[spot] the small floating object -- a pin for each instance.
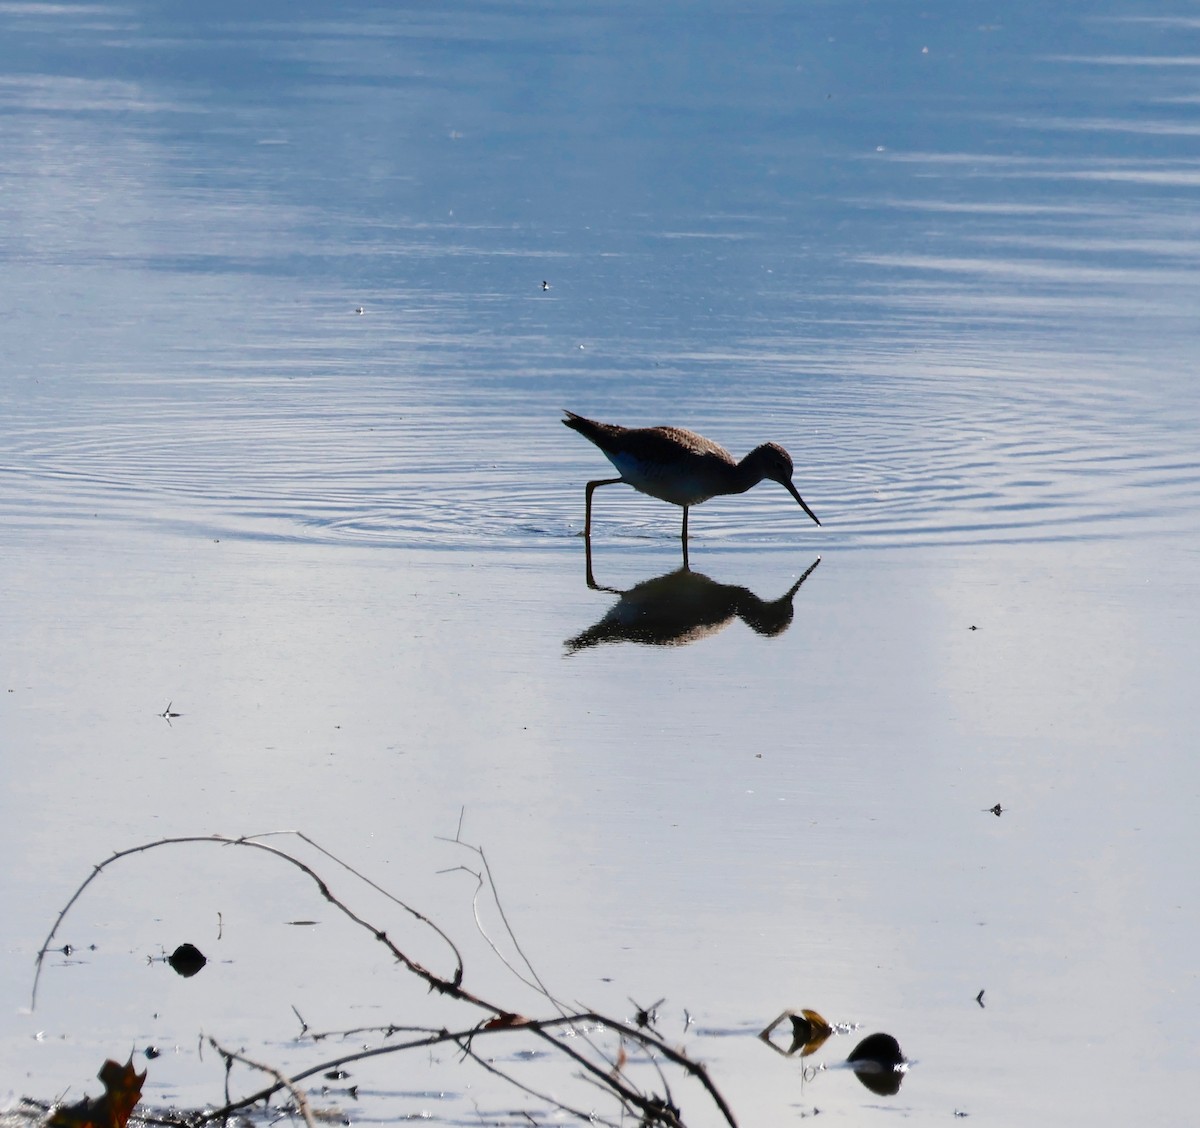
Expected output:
(359, 309)
(187, 960)
(878, 1063)
(809, 1031)
(646, 1017)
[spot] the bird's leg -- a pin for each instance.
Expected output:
(591, 486)
(591, 579)
(587, 556)
(683, 536)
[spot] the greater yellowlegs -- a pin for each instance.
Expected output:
(680, 466)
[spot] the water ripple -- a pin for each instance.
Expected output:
(939, 461)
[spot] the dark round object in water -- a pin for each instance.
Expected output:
(187, 959)
(882, 1049)
(878, 1063)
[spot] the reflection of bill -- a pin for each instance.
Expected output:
(682, 606)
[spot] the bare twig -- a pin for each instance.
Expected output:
(647, 1041)
(597, 1066)
(533, 980)
(416, 913)
(496, 1071)
(450, 986)
(231, 1105)
(301, 1101)
(491, 884)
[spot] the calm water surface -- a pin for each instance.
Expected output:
(946, 257)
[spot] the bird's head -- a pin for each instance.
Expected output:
(775, 463)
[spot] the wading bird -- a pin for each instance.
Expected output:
(680, 466)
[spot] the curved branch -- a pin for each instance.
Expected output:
(598, 1069)
(450, 986)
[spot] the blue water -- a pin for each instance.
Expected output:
(944, 254)
(946, 262)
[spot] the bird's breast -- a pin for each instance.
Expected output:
(681, 481)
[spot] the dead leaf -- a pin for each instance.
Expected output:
(809, 1031)
(502, 1021)
(122, 1091)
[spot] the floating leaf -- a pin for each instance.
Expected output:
(809, 1031)
(122, 1091)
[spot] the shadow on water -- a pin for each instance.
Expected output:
(682, 606)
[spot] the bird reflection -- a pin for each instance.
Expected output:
(682, 606)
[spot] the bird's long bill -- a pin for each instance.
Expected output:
(796, 494)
